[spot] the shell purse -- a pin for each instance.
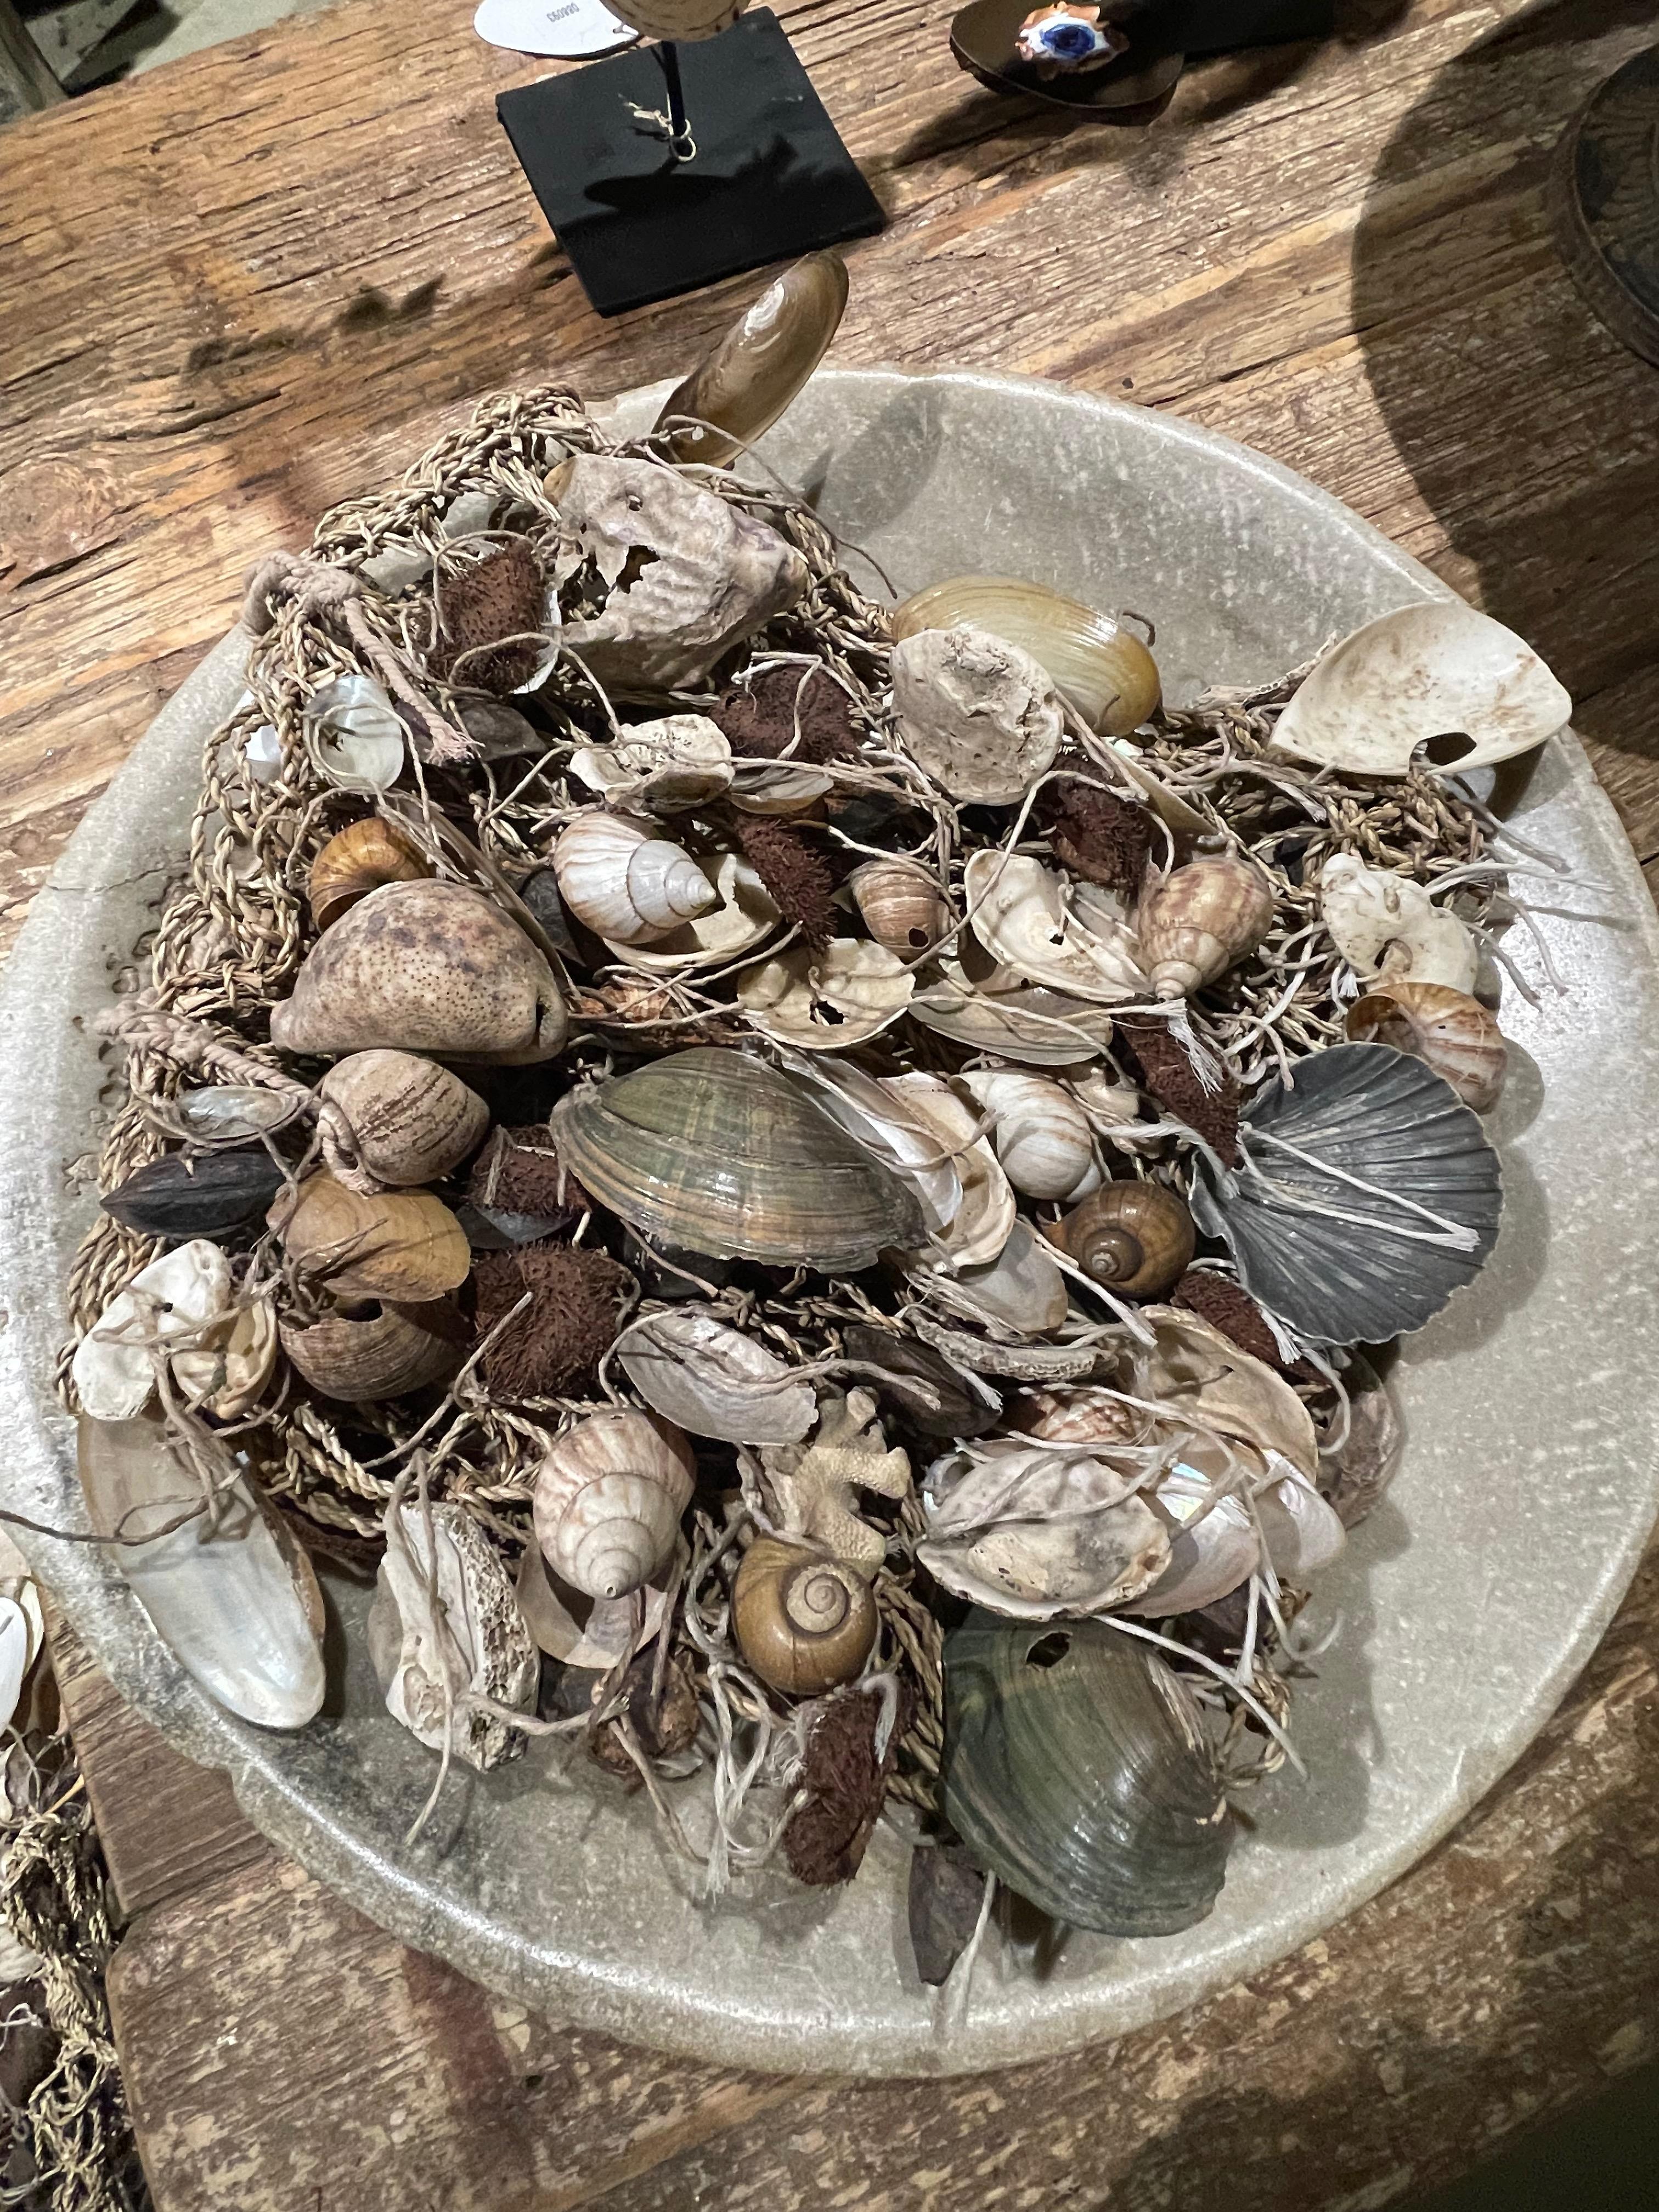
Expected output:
(782, 1170)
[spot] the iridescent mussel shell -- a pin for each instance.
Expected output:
(711, 1151)
(1339, 1263)
(1078, 1769)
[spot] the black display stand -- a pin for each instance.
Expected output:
(769, 180)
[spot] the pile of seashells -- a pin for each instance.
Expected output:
(800, 1180)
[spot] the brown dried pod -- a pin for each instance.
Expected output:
(403, 1246)
(577, 1299)
(1194, 925)
(1449, 1031)
(518, 1178)
(1102, 838)
(663, 1717)
(1136, 1238)
(502, 598)
(358, 859)
(788, 709)
(379, 1350)
(797, 877)
(411, 1121)
(1167, 1072)
(802, 1623)
(212, 1194)
(843, 1780)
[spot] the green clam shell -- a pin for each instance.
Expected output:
(718, 1153)
(1078, 1770)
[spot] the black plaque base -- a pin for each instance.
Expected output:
(770, 179)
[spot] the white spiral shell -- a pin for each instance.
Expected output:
(608, 1499)
(626, 882)
(1041, 1135)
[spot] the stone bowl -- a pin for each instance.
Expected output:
(1468, 1602)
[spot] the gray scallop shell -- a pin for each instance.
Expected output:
(1378, 1270)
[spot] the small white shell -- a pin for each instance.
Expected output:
(608, 1495)
(1436, 670)
(355, 739)
(177, 1297)
(827, 1001)
(475, 1636)
(1384, 924)
(1042, 1136)
(624, 882)
(1017, 909)
(1021, 1294)
(714, 1381)
(977, 715)
(777, 786)
(662, 767)
(1302, 1534)
(984, 1220)
(744, 918)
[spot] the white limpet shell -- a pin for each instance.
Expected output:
(475, 1634)
(355, 739)
(985, 1219)
(713, 1380)
(665, 767)
(1041, 1134)
(1301, 1533)
(1017, 909)
(1214, 1546)
(828, 1000)
(1437, 670)
(889, 1125)
(979, 715)
(179, 1296)
(238, 1606)
(744, 918)
(1387, 925)
(1021, 1294)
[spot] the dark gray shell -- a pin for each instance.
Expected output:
(710, 1151)
(209, 1195)
(1078, 1770)
(1390, 1121)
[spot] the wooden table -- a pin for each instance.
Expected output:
(261, 280)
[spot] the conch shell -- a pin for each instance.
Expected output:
(977, 715)
(426, 966)
(626, 882)
(608, 1498)
(1199, 920)
(1453, 1033)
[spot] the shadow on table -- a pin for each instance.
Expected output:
(1528, 431)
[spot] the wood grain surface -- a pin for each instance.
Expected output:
(259, 281)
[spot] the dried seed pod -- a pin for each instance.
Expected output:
(426, 966)
(1199, 920)
(411, 1120)
(358, 859)
(977, 715)
(852, 1749)
(1168, 1073)
(1101, 666)
(802, 1623)
(498, 598)
(213, 1194)
(403, 1246)
(379, 1352)
(578, 1298)
(1041, 1135)
(608, 1498)
(1137, 1238)
(793, 708)
(1102, 838)
(624, 882)
(662, 1715)
(753, 371)
(901, 905)
(1452, 1032)
(797, 878)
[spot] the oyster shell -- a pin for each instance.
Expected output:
(977, 715)
(1017, 908)
(714, 1380)
(1030, 1022)
(827, 1001)
(664, 767)
(984, 1219)
(1031, 1531)
(713, 1152)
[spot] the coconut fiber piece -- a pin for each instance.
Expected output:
(825, 1840)
(502, 598)
(560, 1338)
(1168, 1073)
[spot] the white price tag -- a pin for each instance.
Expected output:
(560, 27)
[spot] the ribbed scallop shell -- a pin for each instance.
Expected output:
(1078, 1769)
(712, 1152)
(1376, 1269)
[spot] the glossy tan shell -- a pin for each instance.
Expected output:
(1199, 920)
(358, 859)
(626, 882)
(719, 1153)
(428, 967)
(1103, 668)
(802, 1623)
(411, 1121)
(608, 1498)
(900, 905)
(380, 1353)
(1137, 1238)
(1453, 1033)
(753, 371)
(401, 1245)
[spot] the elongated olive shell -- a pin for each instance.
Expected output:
(1078, 1771)
(212, 1194)
(1137, 1238)
(715, 1153)
(1103, 668)
(747, 378)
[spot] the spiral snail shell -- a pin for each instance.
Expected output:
(802, 1623)
(411, 1121)
(1136, 1238)
(608, 1498)
(1194, 925)
(626, 882)
(1040, 1134)
(358, 859)
(900, 905)
(1449, 1031)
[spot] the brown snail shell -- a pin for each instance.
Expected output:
(1136, 1238)
(1195, 924)
(1449, 1031)
(802, 1623)
(404, 1246)
(411, 1121)
(359, 1357)
(357, 861)
(901, 905)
